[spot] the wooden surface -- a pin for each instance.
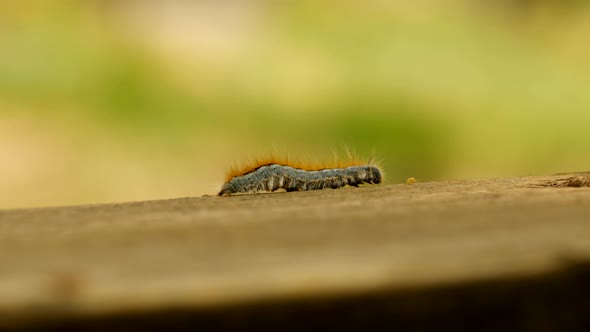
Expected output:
(505, 253)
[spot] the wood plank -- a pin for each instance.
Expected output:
(499, 252)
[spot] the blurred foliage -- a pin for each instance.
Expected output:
(122, 100)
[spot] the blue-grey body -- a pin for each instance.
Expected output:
(272, 177)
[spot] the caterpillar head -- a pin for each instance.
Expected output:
(375, 175)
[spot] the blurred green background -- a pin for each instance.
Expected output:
(106, 101)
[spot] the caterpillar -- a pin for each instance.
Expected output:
(271, 175)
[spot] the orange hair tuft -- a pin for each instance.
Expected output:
(253, 165)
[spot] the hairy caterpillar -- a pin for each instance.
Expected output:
(270, 175)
